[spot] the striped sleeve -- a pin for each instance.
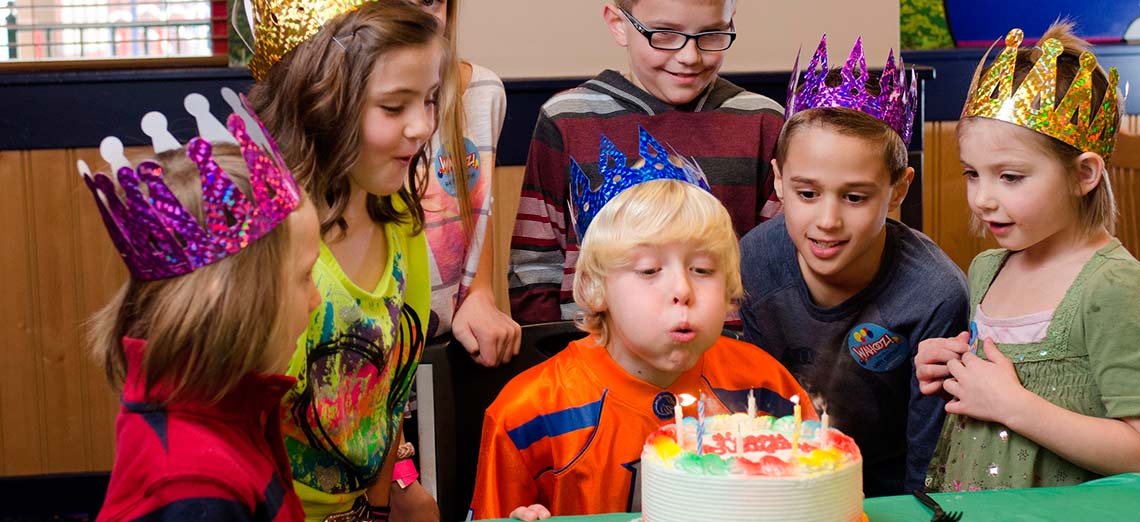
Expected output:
(768, 203)
(538, 244)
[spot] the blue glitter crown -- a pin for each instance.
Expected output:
(617, 175)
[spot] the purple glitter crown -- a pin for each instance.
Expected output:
(895, 104)
(617, 175)
(158, 238)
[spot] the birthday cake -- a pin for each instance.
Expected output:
(709, 476)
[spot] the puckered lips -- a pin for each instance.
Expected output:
(683, 332)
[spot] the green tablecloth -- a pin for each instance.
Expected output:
(1109, 499)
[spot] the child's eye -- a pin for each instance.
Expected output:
(970, 174)
(648, 271)
(855, 198)
(806, 194)
(703, 271)
(1011, 178)
(392, 109)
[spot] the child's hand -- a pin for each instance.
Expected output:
(984, 390)
(930, 362)
(531, 512)
(489, 335)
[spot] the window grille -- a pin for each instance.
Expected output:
(44, 30)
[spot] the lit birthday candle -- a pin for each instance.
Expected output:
(797, 415)
(751, 405)
(679, 414)
(701, 423)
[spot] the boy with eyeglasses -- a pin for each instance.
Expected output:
(675, 48)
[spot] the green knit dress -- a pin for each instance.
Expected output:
(1089, 362)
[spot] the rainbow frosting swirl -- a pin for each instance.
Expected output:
(766, 450)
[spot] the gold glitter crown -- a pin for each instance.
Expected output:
(279, 26)
(1032, 105)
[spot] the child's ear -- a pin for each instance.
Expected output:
(1090, 168)
(779, 185)
(901, 187)
(616, 22)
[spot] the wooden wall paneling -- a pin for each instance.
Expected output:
(1126, 185)
(930, 187)
(1123, 174)
(948, 210)
(101, 273)
(1125, 189)
(53, 186)
(507, 187)
(21, 418)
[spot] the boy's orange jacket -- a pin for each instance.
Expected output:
(568, 433)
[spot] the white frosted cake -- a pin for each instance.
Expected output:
(762, 481)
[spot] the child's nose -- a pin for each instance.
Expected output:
(983, 196)
(421, 124)
(682, 290)
(829, 217)
(690, 53)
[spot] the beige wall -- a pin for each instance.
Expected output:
(567, 38)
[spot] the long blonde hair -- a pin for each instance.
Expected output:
(207, 329)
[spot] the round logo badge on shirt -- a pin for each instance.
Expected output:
(663, 405)
(446, 174)
(876, 348)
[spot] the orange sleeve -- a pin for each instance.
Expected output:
(503, 481)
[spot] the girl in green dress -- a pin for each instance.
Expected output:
(1045, 389)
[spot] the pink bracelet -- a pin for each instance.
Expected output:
(405, 473)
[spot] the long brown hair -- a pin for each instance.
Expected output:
(313, 99)
(204, 330)
(452, 120)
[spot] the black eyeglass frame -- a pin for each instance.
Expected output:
(648, 34)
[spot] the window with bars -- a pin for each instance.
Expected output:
(46, 30)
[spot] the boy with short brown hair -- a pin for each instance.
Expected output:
(838, 292)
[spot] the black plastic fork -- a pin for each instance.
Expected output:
(939, 515)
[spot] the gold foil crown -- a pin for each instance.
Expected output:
(279, 26)
(1032, 105)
